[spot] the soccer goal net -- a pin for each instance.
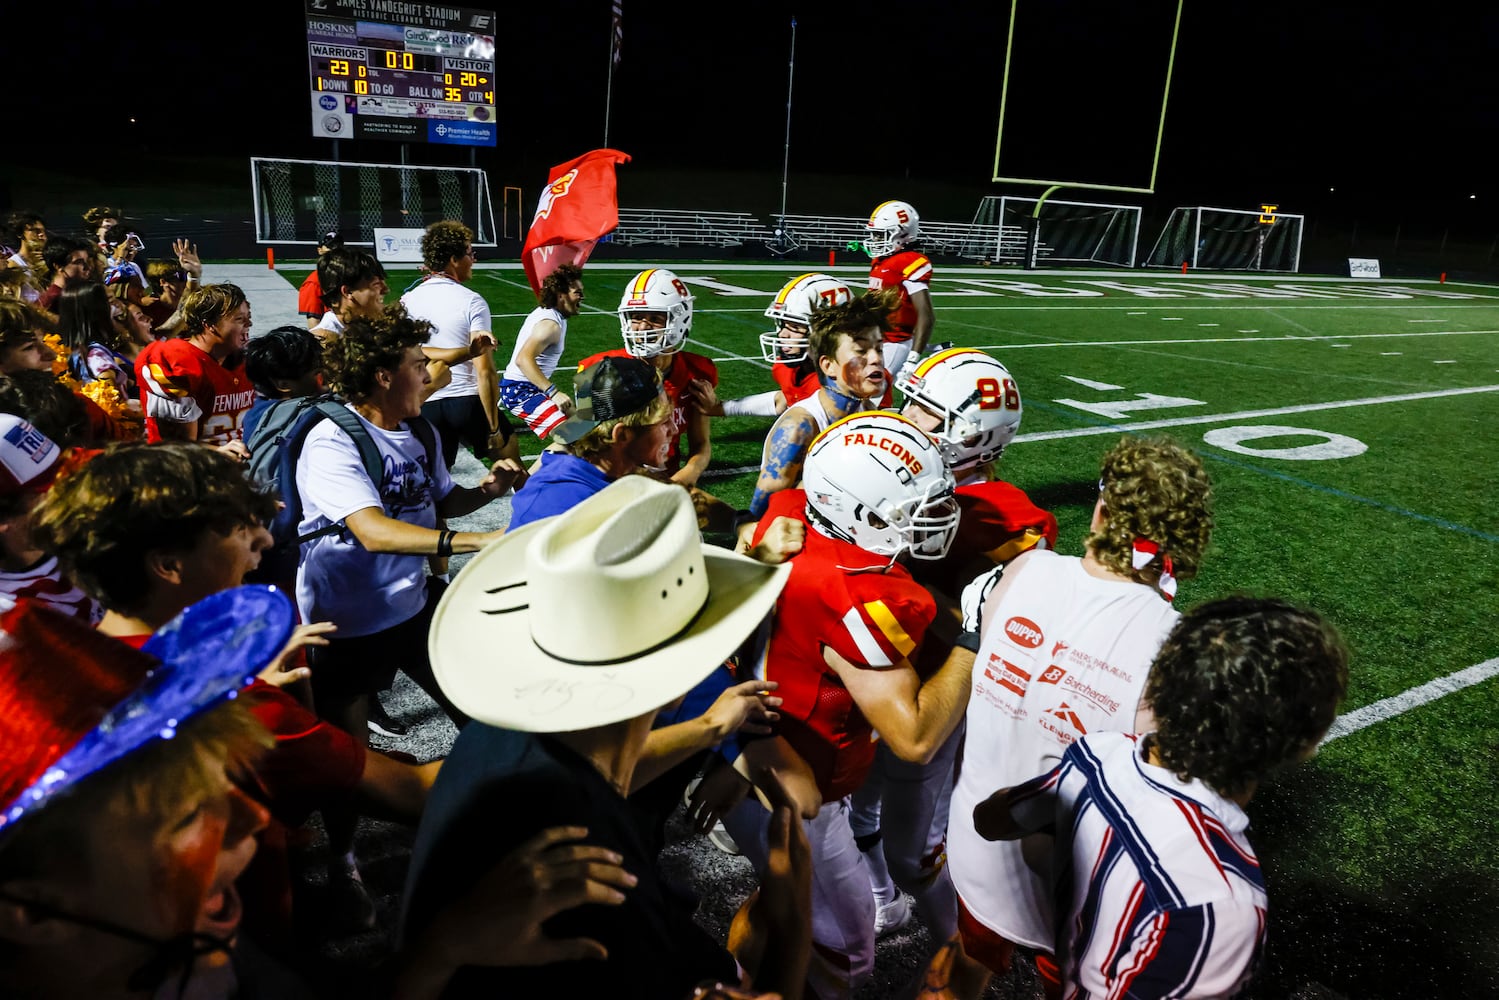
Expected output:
(297, 201)
(1067, 232)
(1228, 239)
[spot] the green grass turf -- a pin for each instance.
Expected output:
(1381, 853)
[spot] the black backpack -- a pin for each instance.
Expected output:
(275, 446)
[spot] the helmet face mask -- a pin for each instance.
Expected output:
(785, 345)
(976, 401)
(876, 480)
(655, 314)
(891, 226)
(793, 306)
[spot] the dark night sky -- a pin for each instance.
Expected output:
(1270, 101)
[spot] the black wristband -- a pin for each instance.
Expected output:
(445, 543)
(968, 640)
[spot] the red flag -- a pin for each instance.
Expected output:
(579, 205)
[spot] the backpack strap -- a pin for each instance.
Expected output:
(369, 453)
(427, 435)
(348, 421)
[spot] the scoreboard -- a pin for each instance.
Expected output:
(404, 72)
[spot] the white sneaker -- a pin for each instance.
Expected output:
(719, 835)
(892, 916)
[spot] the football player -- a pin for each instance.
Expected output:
(970, 406)
(655, 317)
(893, 228)
(194, 387)
(785, 347)
(845, 343)
(875, 493)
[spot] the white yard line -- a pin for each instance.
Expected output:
(1405, 701)
(1210, 418)
(1234, 340)
(1148, 425)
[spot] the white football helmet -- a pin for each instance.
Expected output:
(875, 479)
(890, 227)
(655, 291)
(794, 303)
(976, 399)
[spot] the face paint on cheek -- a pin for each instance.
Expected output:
(189, 864)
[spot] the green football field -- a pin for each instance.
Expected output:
(1349, 429)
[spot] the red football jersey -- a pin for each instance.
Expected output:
(997, 522)
(1000, 521)
(872, 619)
(893, 272)
(310, 296)
(796, 381)
(685, 367)
(181, 383)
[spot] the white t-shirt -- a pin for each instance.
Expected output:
(1065, 654)
(338, 580)
(330, 324)
(548, 357)
(455, 313)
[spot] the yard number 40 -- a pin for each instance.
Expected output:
(993, 395)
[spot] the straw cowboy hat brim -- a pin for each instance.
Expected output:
(595, 616)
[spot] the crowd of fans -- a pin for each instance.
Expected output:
(880, 683)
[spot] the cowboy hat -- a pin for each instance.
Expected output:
(598, 615)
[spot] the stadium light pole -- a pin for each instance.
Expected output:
(782, 240)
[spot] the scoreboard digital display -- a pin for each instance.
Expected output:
(404, 72)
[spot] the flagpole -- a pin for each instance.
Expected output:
(786, 161)
(609, 93)
(616, 36)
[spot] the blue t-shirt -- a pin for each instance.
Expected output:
(562, 482)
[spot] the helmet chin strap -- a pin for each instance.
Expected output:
(830, 529)
(183, 949)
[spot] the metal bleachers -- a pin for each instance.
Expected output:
(687, 228)
(824, 232)
(683, 227)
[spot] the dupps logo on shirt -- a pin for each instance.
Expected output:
(1024, 632)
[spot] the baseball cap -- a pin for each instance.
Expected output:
(75, 701)
(28, 458)
(608, 389)
(331, 240)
